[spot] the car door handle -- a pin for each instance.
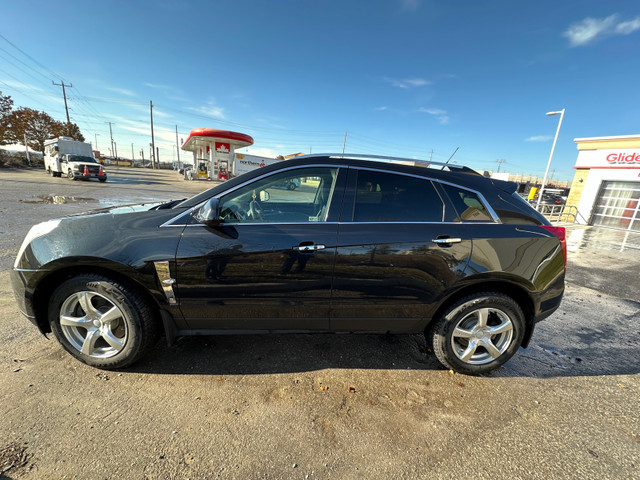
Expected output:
(309, 248)
(446, 240)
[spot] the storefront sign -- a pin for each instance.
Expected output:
(618, 158)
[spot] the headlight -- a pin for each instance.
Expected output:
(36, 231)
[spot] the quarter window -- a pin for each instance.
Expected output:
(388, 197)
(468, 205)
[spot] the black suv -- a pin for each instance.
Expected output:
(362, 244)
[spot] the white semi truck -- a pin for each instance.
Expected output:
(73, 159)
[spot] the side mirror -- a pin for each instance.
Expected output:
(264, 196)
(208, 213)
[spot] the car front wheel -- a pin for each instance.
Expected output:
(478, 333)
(101, 322)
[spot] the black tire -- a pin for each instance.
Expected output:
(101, 322)
(70, 175)
(477, 334)
(102, 180)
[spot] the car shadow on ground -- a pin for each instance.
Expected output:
(273, 354)
(276, 354)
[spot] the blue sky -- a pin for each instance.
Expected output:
(401, 77)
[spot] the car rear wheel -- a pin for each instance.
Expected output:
(478, 333)
(101, 322)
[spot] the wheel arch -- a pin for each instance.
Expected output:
(47, 285)
(519, 294)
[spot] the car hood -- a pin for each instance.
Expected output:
(127, 234)
(121, 209)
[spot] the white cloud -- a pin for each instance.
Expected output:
(625, 28)
(441, 115)
(209, 111)
(539, 138)
(590, 30)
(157, 86)
(380, 109)
(408, 82)
(409, 5)
(121, 91)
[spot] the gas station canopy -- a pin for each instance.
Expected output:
(214, 151)
(206, 137)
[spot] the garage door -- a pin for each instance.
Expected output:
(617, 206)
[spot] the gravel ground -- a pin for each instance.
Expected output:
(316, 406)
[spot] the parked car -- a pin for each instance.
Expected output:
(371, 245)
(550, 199)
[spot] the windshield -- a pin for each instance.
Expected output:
(82, 158)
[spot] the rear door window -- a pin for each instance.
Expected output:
(390, 197)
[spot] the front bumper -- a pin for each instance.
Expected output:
(81, 175)
(24, 294)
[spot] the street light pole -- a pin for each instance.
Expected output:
(546, 172)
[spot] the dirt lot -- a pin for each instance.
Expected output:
(316, 406)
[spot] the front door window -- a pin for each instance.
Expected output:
(294, 196)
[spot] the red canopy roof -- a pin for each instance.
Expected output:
(201, 136)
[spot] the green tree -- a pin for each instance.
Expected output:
(6, 106)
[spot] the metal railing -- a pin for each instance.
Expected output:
(560, 213)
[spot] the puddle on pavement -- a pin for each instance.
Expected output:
(59, 199)
(598, 238)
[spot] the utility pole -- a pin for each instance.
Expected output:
(345, 142)
(133, 157)
(26, 149)
(142, 155)
(153, 141)
(177, 147)
(500, 162)
(64, 94)
(96, 135)
(111, 134)
(431, 156)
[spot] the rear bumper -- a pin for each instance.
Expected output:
(548, 307)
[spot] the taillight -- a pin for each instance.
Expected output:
(561, 233)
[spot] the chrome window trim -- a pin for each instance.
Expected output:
(494, 215)
(344, 223)
(169, 223)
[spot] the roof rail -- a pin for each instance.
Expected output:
(397, 160)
